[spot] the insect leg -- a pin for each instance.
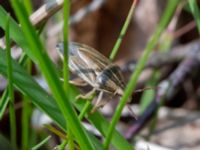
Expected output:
(86, 96)
(78, 82)
(145, 88)
(131, 111)
(98, 102)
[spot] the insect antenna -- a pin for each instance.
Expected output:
(135, 92)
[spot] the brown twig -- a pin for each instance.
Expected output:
(40, 16)
(79, 15)
(45, 12)
(159, 59)
(185, 29)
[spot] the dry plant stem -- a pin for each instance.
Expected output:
(45, 12)
(42, 14)
(188, 27)
(80, 15)
(94, 5)
(186, 118)
(175, 55)
(59, 133)
(167, 88)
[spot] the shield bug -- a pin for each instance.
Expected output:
(95, 69)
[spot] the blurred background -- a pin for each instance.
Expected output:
(97, 23)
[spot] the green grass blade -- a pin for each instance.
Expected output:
(134, 77)
(41, 143)
(4, 102)
(12, 117)
(148, 95)
(16, 33)
(48, 70)
(85, 109)
(66, 10)
(5, 98)
(28, 6)
(195, 12)
(165, 44)
(26, 114)
(123, 31)
(22, 81)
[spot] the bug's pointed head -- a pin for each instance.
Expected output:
(60, 47)
(72, 48)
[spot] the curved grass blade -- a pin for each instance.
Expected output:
(41, 143)
(48, 70)
(16, 33)
(4, 102)
(195, 12)
(12, 117)
(134, 77)
(4, 99)
(66, 10)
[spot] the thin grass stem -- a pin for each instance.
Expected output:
(41, 143)
(5, 97)
(84, 110)
(13, 132)
(114, 50)
(26, 116)
(123, 31)
(48, 70)
(135, 75)
(66, 10)
(195, 12)
(28, 6)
